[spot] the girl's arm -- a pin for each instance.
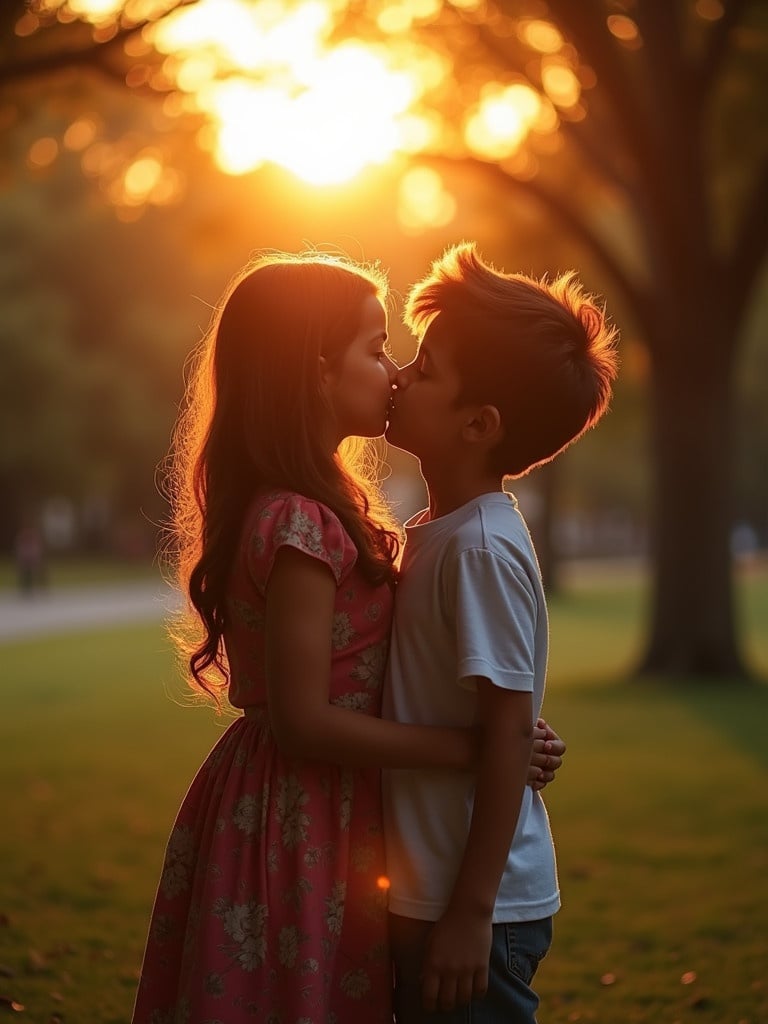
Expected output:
(547, 756)
(299, 617)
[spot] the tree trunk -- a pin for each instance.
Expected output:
(693, 625)
(547, 480)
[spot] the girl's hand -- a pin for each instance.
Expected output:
(547, 756)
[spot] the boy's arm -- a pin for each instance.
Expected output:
(458, 952)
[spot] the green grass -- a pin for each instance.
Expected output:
(68, 572)
(659, 818)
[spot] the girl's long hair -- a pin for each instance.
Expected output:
(253, 420)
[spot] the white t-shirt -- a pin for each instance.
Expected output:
(469, 603)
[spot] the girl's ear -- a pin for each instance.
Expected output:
(483, 426)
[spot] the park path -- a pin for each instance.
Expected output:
(66, 609)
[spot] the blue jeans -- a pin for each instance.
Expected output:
(517, 950)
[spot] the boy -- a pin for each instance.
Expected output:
(509, 372)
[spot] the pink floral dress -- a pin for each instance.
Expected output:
(268, 909)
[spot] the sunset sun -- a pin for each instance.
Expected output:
(323, 113)
(270, 82)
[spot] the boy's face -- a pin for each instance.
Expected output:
(426, 416)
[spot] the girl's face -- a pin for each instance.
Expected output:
(358, 386)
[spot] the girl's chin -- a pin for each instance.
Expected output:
(373, 431)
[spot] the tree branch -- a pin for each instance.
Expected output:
(719, 41)
(607, 168)
(655, 152)
(91, 56)
(584, 24)
(667, 77)
(637, 299)
(584, 136)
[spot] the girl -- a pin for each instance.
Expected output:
(270, 906)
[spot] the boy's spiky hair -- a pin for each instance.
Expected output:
(543, 352)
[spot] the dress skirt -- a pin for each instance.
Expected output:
(270, 906)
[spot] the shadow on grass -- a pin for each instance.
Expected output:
(731, 708)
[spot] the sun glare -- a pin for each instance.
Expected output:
(274, 86)
(340, 115)
(323, 113)
(95, 11)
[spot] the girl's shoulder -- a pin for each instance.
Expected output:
(287, 518)
(278, 506)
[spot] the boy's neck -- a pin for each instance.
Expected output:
(450, 490)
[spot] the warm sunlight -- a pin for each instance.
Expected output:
(322, 113)
(275, 86)
(93, 10)
(502, 120)
(423, 201)
(320, 128)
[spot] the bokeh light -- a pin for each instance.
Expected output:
(42, 153)
(625, 30)
(541, 36)
(423, 201)
(500, 123)
(273, 85)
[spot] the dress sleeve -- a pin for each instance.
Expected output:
(298, 522)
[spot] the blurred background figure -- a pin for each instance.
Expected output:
(29, 554)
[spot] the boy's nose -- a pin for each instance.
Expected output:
(403, 378)
(392, 369)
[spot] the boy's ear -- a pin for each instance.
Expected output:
(483, 425)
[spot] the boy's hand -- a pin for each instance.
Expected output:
(547, 756)
(456, 961)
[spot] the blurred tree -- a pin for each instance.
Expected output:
(79, 419)
(636, 125)
(752, 430)
(95, 328)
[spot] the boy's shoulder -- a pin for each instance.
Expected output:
(492, 523)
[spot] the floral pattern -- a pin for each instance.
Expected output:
(268, 908)
(342, 633)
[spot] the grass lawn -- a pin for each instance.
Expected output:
(660, 819)
(68, 572)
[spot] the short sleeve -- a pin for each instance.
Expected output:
(295, 521)
(496, 615)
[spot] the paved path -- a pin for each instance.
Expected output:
(72, 608)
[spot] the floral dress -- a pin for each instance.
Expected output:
(269, 908)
